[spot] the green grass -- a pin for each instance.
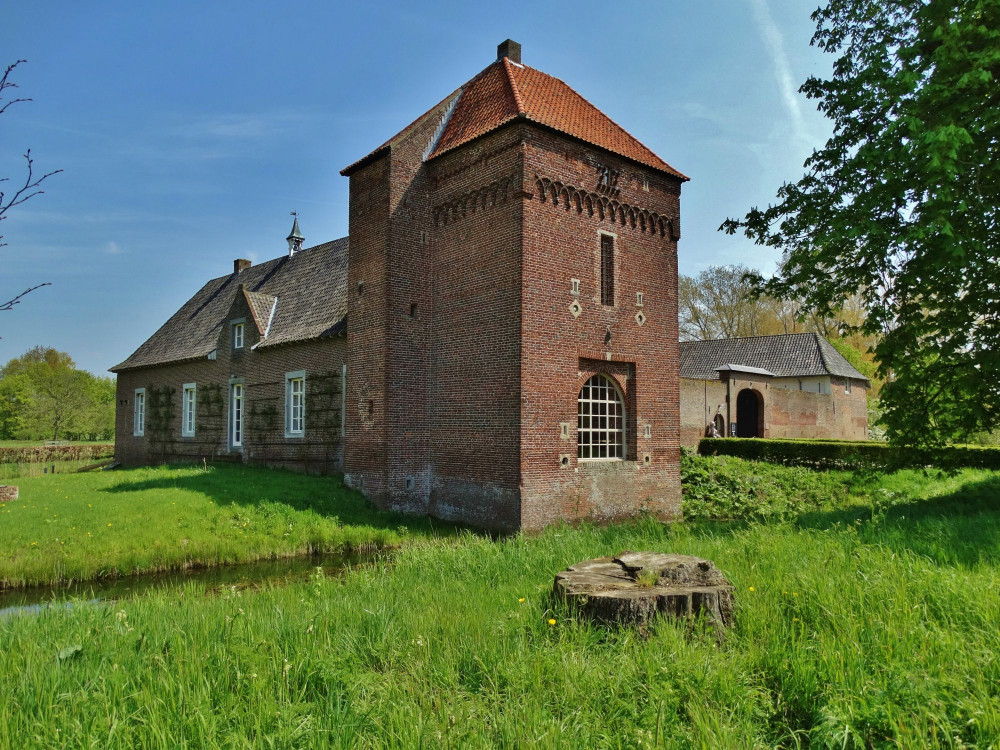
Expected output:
(872, 622)
(99, 524)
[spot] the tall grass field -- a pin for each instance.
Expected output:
(872, 621)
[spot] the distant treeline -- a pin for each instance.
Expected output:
(43, 396)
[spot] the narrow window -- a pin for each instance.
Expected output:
(188, 402)
(847, 387)
(139, 415)
(236, 415)
(574, 287)
(237, 335)
(638, 299)
(295, 404)
(600, 420)
(607, 270)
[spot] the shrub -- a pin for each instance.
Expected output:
(43, 453)
(729, 488)
(833, 454)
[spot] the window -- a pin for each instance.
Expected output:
(847, 387)
(600, 420)
(607, 269)
(638, 299)
(238, 335)
(295, 404)
(139, 415)
(236, 415)
(187, 410)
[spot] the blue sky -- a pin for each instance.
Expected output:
(189, 130)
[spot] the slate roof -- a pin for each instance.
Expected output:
(506, 91)
(311, 292)
(261, 305)
(788, 355)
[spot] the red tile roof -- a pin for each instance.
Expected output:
(505, 91)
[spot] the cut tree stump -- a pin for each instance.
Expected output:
(634, 587)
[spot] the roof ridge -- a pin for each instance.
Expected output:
(513, 86)
(822, 353)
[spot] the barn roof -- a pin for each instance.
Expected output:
(506, 91)
(292, 298)
(790, 355)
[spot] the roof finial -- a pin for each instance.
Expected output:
(295, 238)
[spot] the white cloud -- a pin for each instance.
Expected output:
(775, 44)
(113, 248)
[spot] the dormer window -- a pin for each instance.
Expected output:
(238, 335)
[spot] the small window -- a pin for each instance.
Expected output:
(607, 270)
(574, 286)
(638, 299)
(295, 404)
(188, 402)
(600, 420)
(139, 415)
(847, 387)
(238, 335)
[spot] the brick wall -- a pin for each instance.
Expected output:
(564, 215)
(787, 413)
(263, 372)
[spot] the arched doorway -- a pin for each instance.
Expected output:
(749, 414)
(720, 425)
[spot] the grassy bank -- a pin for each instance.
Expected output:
(857, 626)
(79, 526)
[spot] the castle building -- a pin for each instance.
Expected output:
(794, 385)
(495, 343)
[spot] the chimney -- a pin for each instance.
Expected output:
(241, 264)
(509, 49)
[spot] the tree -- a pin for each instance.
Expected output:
(900, 207)
(43, 395)
(29, 187)
(720, 303)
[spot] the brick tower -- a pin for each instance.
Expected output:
(512, 311)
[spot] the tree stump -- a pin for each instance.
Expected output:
(634, 587)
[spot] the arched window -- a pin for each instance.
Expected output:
(600, 420)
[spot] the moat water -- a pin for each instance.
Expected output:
(252, 575)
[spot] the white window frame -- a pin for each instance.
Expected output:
(236, 436)
(139, 413)
(594, 404)
(188, 409)
(847, 387)
(295, 424)
(239, 334)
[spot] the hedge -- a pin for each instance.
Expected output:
(16, 454)
(829, 454)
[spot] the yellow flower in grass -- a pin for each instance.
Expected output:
(521, 600)
(552, 621)
(109, 524)
(752, 588)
